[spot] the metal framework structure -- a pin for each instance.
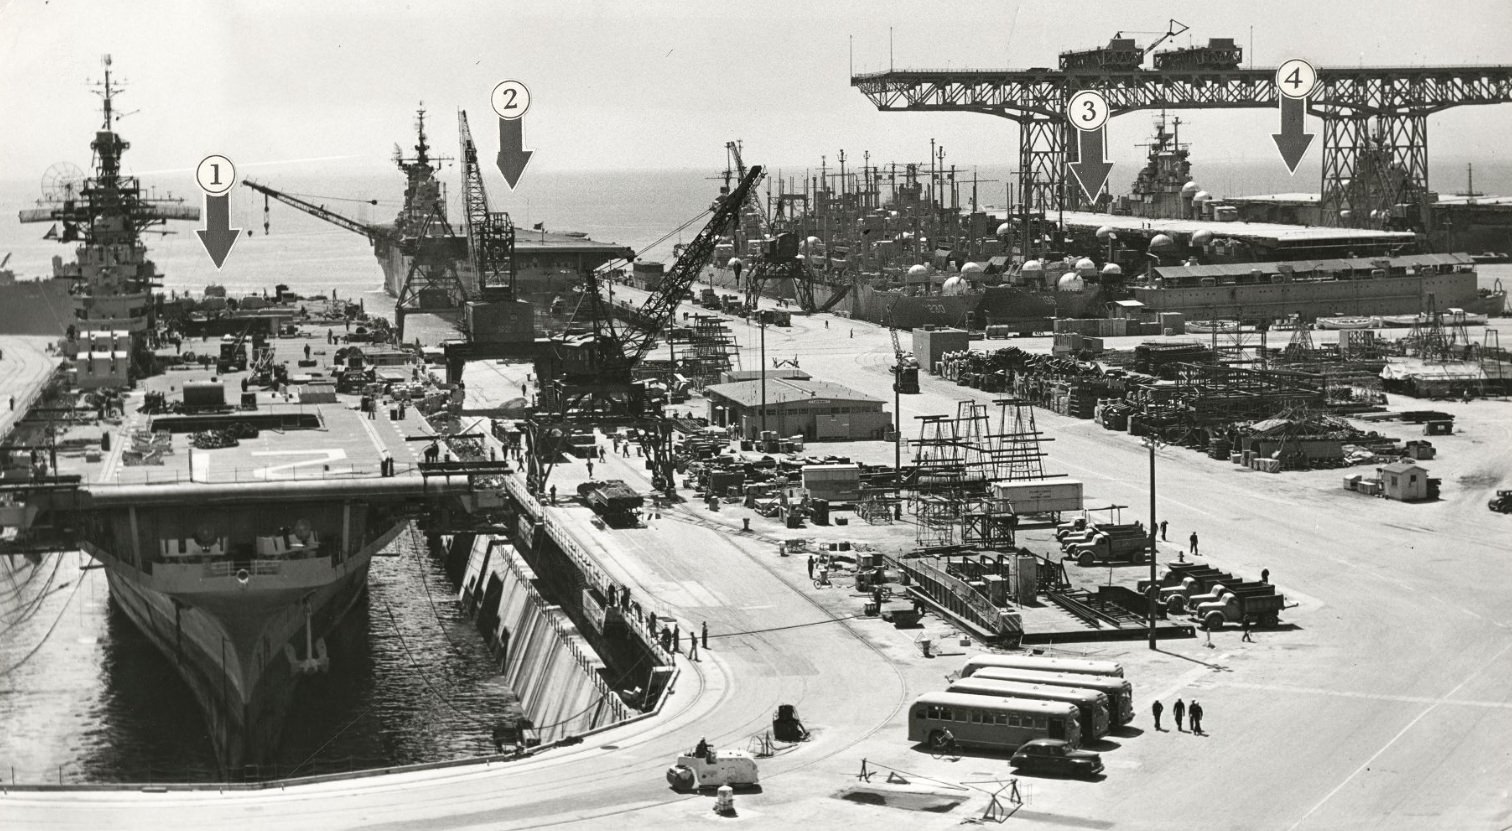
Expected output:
(433, 265)
(1375, 135)
(490, 234)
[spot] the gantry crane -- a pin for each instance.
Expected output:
(589, 381)
(490, 234)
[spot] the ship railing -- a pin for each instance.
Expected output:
(302, 472)
(230, 568)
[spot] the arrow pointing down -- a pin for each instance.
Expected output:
(512, 153)
(218, 236)
(1091, 168)
(1291, 141)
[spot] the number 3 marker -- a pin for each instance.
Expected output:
(1088, 110)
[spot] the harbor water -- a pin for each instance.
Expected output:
(85, 697)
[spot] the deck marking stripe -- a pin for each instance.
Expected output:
(1402, 699)
(1400, 733)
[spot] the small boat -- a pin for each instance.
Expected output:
(1344, 323)
(1204, 327)
(1450, 318)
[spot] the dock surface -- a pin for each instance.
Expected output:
(1381, 696)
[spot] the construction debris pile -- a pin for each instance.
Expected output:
(229, 437)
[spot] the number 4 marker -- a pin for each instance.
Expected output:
(1295, 80)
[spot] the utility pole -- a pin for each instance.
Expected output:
(762, 321)
(1151, 441)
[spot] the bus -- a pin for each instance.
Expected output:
(1040, 663)
(1091, 705)
(998, 723)
(1120, 692)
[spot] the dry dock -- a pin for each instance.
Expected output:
(1384, 698)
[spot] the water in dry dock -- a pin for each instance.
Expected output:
(84, 695)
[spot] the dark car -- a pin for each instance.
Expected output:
(1055, 756)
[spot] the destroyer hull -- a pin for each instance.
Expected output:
(1001, 305)
(1323, 298)
(234, 648)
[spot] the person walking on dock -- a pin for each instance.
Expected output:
(1162, 530)
(1157, 708)
(1193, 539)
(602, 456)
(590, 468)
(1246, 624)
(676, 636)
(1179, 711)
(1196, 718)
(692, 646)
(705, 634)
(811, 566)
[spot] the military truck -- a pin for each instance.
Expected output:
(613, 500)
(1111, 544)
(1258, 603)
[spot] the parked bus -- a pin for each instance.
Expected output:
(1039, 663)
(986, 721)
(1120, 692)
(1091, 705)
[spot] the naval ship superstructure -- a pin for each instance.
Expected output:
(911, 256)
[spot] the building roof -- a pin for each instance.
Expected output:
(1404, 466)
(785, 391)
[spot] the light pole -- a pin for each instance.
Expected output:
(1152, 442)
(762, 321)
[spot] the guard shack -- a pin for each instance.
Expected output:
(1405, 481)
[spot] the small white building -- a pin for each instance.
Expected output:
(1406, 481)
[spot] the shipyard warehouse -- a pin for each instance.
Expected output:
(816, 410)
(969, 470)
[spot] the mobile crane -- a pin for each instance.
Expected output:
(588, 379)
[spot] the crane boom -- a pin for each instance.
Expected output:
(660, 306)
(372, 232)
(490, 234)
(1170, 32)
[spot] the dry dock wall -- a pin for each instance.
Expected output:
(539, 651)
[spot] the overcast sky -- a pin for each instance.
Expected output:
(646, 83)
